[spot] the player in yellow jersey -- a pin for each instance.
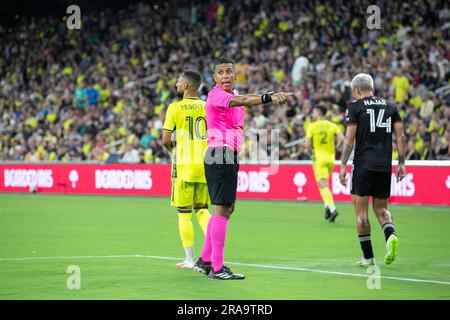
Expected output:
(187, 118)
(321, 135)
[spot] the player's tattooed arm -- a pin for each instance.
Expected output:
(349, 141)
(346, 152)
(400, 137)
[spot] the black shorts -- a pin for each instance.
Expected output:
(221, 171)
(370, 183)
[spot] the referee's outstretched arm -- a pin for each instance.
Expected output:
(249, 100)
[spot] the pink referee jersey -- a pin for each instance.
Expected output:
(225, 124)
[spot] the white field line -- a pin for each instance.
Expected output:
(231, 263)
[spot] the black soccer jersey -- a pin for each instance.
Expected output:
(375, 118)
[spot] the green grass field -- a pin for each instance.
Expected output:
(127, 247)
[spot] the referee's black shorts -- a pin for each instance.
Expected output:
(370, 183)
(221, 171)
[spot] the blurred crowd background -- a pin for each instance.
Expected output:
(100, 93)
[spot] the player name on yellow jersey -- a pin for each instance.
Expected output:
(197, 106)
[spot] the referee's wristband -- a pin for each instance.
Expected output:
(266, 97)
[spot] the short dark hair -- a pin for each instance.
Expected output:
(193, 78)
(223, 61)
(322, 109)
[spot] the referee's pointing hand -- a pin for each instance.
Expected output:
(281, 97)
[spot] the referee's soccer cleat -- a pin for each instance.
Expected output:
(185, 264)
(202, 267)
(391, 249)
(366, 262)
(333, 216)
(327, 213)
(225, 274)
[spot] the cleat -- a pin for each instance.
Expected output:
(225, 274)
(202, 267)
(366, 262)
(333, 216)
(327, 213)
(185, 264)
(391, 249)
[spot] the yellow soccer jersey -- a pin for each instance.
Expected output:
(322, 133)
(188, 119)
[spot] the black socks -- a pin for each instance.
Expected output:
(388, 229)
(366, 245)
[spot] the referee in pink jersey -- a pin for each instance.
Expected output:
(225, 123)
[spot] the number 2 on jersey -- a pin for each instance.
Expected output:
(324, 137)
(379, 123)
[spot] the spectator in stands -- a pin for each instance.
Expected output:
(131, 155)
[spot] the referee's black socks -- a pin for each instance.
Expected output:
(366, 245)
(388, 229)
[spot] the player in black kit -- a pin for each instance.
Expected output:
(371, 120)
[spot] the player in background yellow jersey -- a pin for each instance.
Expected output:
(187, 118)
(321, 135)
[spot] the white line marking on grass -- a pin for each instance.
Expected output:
(231, 263)
(90, 257)
(335, 272)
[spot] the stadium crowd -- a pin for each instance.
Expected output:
(100, 93)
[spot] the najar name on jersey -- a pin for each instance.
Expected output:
(374, 102)
(371, 102)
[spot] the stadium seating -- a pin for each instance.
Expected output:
(75, 95)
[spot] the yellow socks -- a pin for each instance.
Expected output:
(327, 197)
(203, 217)
(186, 229)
